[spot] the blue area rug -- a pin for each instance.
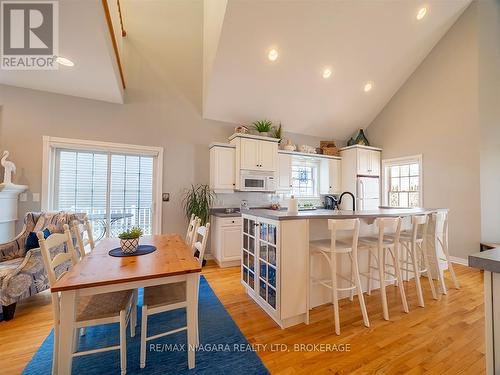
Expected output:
(223, 348)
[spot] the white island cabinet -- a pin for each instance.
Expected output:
(268, 271)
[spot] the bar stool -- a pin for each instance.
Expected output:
(379, 247)
(441, 239)
(414, 244)
(329, 249)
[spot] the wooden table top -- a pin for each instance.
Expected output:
(172, 257)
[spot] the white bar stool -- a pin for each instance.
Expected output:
(329, 249)
(441, 240)
(379, 247)
(414, 244)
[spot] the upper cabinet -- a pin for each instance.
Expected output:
(222, 170)
(257, 155)
(330, 176)
(249, 154)
(284, 172)
(268, 156)
(368, 162)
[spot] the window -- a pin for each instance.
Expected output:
(403, 182)
(305, 179)
(114, 185)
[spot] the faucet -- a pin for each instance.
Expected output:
(353, 199)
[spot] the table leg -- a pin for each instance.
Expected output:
(192, 306)
(66, 331)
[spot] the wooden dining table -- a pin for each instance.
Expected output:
(98, 272)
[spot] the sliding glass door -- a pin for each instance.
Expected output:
(116, 190)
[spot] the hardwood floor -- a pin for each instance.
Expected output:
(445, 337)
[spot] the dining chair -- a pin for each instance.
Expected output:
(168, 297)
(105, 308)
(79, 230)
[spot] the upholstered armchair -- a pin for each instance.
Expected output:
(22, 273)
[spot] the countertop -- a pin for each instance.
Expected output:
(223, 214)
(337, 214)
(488, 260)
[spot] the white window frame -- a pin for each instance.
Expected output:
(51, 144)
(316, 178)
(387, 163)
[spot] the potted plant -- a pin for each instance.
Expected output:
(129, 240)
(277, 132)
(198, 200)
(264, 127)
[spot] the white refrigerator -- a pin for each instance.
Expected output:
(368, 193)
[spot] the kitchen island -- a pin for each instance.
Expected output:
(275, 256)
(489, 262)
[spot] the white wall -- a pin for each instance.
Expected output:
(489, 117)
(435, 113)
(163, 72)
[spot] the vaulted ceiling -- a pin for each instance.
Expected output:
(85, 39)
(381, 42)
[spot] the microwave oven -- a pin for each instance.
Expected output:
(257, 181)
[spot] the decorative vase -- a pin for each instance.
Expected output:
(351, 142)
(361, 139)
(130, 245)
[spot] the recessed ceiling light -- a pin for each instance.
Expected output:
(421, 13)
(327, 73)
(64, 61)
(368, 87)
(272, 55)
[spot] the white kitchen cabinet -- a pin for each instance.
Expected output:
(250, 154)
(226, 240)
(258, 155)
(222, 171)
(284, 172)
(268, 156)
(330, 176)
(368, 162)
(255, 153)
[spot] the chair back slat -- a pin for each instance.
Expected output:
(60, 259)
(344, 225)
(53, 241)
(190, 232)
(200, 244)
(419, 226)
(388, 225)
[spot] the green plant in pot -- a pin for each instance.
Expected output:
(198, 200)
(129, 240)
(277, 132)
(264, 127)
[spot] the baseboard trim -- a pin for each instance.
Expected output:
(458, 260)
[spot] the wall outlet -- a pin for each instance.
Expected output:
(165, 197)
(23, 197)
(36, 197)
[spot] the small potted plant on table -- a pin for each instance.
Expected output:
(129, 240)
